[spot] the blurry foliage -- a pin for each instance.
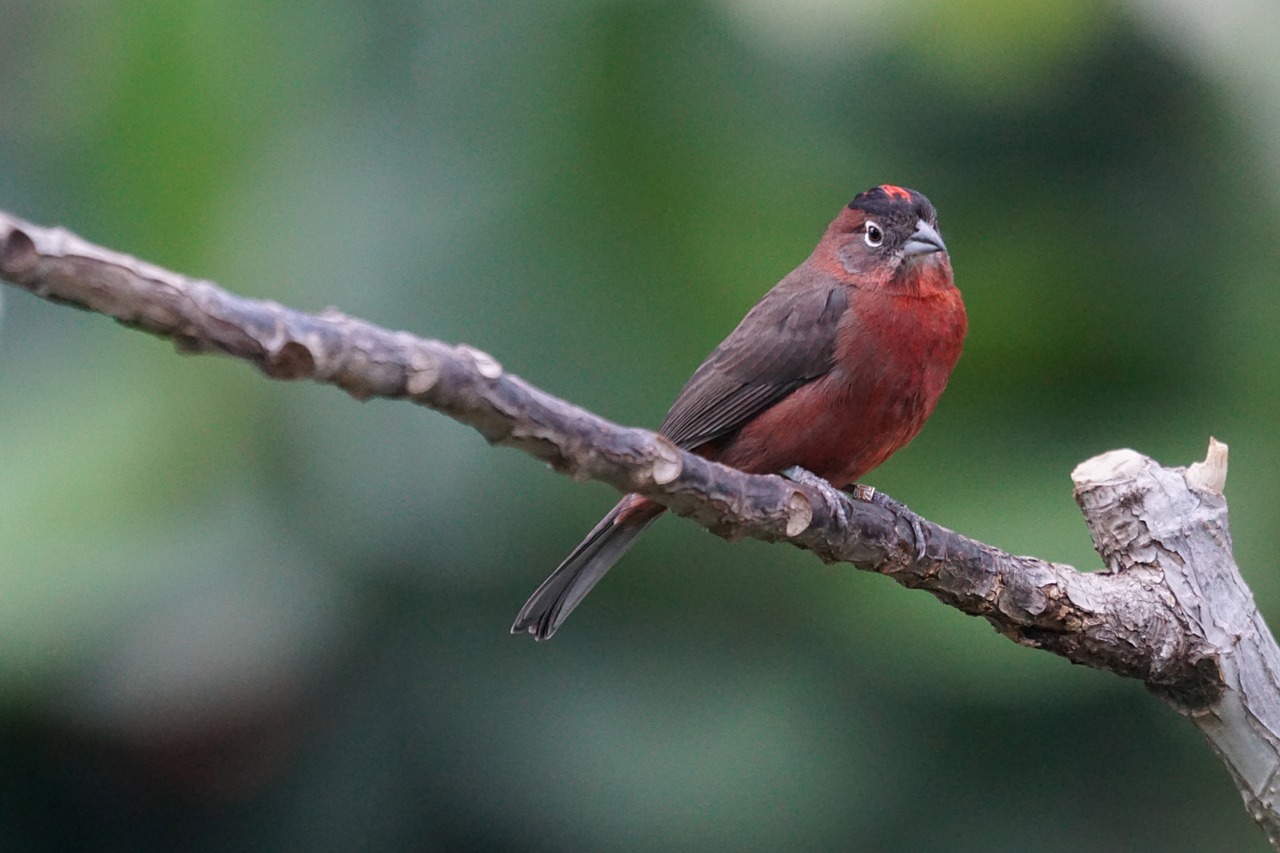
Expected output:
(241, 615)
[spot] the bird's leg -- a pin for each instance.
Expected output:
(863, 493)
(871, 496)
(835, 497)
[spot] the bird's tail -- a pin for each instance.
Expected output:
(552, 602)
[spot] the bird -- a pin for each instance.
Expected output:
(833, 371)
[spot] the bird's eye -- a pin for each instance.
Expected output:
(873, 235)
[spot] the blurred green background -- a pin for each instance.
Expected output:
(236, 614)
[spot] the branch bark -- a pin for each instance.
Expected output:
(1171, 609)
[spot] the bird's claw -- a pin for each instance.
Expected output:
(870, 495)
(835, 498)
(867, 494)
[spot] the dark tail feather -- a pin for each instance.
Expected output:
(552, 602)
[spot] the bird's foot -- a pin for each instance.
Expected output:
(835, 498)
(867, 494)
(899, 509)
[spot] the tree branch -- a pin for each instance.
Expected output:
(1171, 609)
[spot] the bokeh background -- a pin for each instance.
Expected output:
(237, 614)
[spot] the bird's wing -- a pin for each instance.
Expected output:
(785, 341)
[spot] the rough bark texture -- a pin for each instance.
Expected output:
(1168, 527)
(1171, 608)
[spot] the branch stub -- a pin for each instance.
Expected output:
(667, 464)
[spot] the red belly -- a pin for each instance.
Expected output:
(831, 427)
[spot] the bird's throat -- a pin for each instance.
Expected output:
(924, 277)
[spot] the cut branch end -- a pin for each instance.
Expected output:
(1211, 474)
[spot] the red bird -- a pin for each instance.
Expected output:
(834, 370)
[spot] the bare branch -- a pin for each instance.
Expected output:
(1171, 609)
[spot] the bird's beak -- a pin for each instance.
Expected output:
(925, 241)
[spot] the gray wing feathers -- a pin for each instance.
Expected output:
(787, 340)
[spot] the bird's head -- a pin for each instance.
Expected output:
(887, 237)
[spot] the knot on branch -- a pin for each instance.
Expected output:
(18, 254)
(292, 360)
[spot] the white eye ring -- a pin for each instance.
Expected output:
(873, 235)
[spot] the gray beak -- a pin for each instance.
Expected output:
(925, 241)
